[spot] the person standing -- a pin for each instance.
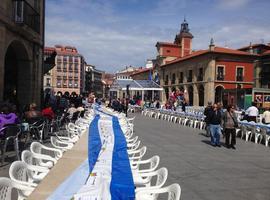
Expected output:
(215, 125)
(266, 116)
(207, 111)
(252, 112)
(229, 124)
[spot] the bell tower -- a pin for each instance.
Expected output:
(184, 39)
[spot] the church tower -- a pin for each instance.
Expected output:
(184, 39)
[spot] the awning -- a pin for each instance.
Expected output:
(135, 85)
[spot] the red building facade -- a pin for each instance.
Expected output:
(215, 74)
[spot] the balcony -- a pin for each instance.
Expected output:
(220, 77)
(239, 78)
(25, 14)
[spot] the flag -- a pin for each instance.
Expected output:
(150, 75)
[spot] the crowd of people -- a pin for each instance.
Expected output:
(54, 105)
(224, 121)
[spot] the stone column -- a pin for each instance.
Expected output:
(195, 95)
(209, 89)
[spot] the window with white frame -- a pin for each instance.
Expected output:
(220, 73)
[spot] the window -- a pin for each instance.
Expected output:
(220, 73)
(59, 67)
(70, 83)
(200, 75)
(76, 67)
(181, 77)
(48, 82)
(65, 58)
(70, 68)
(59, 59)
(65, 67)
(239, 73)
(189, 76)
(58, 82)
(173, 78)
(76, 59)
(75, 84)
(70, 59)
(167, 80)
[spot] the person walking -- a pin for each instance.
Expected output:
(215, 125)
(229, 124)
(252, 112)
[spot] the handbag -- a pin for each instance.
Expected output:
(235, 123)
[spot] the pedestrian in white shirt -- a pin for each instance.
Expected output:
(266, 116)
(252, 112)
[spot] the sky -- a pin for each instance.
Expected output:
(112, 34)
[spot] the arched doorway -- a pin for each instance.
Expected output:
(190, 94)
(17, 75)
(201, 95)
(219, 94)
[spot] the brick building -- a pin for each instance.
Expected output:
(68, 75)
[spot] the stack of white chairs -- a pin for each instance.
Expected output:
(148, 179)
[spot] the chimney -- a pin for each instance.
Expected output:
(212, 45)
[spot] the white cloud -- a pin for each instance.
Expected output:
(232, 4)
(110, 40)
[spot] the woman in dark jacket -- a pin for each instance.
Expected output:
(229, 124)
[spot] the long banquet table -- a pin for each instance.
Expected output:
(106, 174)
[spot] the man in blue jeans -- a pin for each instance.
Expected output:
(215, 125)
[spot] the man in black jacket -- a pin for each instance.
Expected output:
(207, 111)
(215, 125)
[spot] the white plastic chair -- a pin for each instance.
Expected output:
(174, 193)
(152, 162)
(265, 135)
(6, 187)
(144, 179)
(38, 172)
(134, 147)
(137, 154)
(46, 159)
(22, 178)
(62, 145)
(132, 140)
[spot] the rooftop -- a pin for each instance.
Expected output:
(220, 50)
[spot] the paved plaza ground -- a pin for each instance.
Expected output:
(205, 172)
